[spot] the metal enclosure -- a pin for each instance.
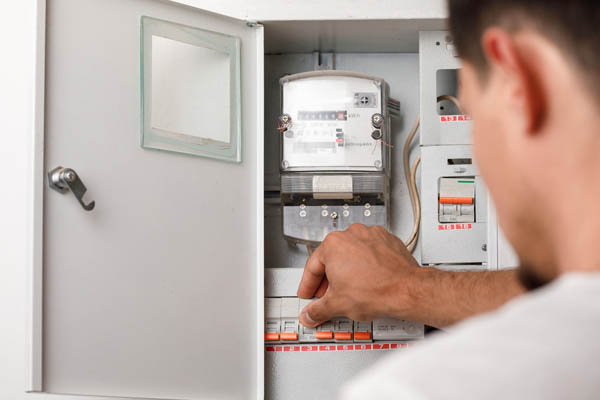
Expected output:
(158, 292)
(446, 153)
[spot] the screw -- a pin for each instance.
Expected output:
(346, 213)
(367, 213)
(378, 164)
(484, 247)
(285, 164)
(69, 176)
(334, 215)
(324, 213)
(303, 213)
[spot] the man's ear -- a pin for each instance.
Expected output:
(525, 92)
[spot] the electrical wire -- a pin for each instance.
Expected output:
(410, 174)
(412, 191)
(412, 239)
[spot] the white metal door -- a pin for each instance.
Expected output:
(156, 292)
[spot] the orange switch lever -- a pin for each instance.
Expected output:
(343, 336)
(456, 200)
(271, 337)
(362, 335)
(289, 336)
(324, 335)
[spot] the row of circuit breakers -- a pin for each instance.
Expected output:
(282, 326)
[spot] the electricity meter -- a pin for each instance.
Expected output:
(335, 153)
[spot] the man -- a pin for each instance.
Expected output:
(531, 82)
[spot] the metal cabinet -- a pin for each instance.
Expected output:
(158, 291)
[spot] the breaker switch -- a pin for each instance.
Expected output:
(342, 329)
(325, 331)
(289, 319)
(306, 334)
(362, 331)
(272, 321)
(456, 200)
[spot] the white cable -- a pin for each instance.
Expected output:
(412, 239)
(411, 176)
(412, 191)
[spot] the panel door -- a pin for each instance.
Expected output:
(154, 293)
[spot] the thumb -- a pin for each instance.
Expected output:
(317, 312)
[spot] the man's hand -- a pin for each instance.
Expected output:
(365, 272)
(362, 273)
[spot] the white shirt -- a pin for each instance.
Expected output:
(542, 345)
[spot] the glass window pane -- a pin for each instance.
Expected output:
(190, 90)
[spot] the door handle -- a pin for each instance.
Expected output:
(64, 179)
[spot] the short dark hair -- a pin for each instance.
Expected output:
(573, 25)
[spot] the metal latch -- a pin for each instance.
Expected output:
(62, 179)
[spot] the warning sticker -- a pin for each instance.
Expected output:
(454, 118)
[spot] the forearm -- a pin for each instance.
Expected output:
(441, 298)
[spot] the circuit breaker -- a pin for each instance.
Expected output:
(335, 159)
(457, 199)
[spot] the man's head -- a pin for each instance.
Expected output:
(531, 82)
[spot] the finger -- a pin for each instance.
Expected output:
(322, 288)
(313, 274)
(317, 312)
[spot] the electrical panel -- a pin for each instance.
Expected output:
(335, 157)
(454, 200)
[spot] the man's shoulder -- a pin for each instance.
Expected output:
(541, 345)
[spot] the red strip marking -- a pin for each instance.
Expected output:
(454, 227)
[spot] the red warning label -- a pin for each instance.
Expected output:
(454, 118)
(454, 227)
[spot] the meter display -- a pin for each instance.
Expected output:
(335, 157)
(330, 122)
